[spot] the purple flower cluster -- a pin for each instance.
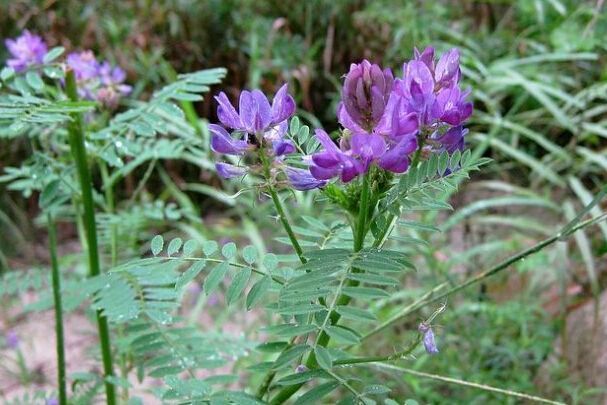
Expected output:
(98, 80)
(26, 50)
(258, 129)
(385, 119)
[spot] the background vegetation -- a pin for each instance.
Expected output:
(538, 70)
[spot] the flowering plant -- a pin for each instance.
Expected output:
(400, 147)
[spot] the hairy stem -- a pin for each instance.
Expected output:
(56, 278)
(76, 139)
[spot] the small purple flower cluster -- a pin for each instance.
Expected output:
(386, 119)
(259, 129)
(96, 80)
(26, 50)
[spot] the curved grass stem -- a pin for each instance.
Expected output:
(483, 387)
(433, 295)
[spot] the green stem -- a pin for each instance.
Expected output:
(377, 359)
(363, 212)
(280, 210)
(483, 387)
(265, 385)
(56, 277)
(285, 223)
(360, 229)
(76, 139)
(391, 218)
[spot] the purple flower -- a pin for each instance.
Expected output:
(222, 142)
(451, 106)
(259, 132)
(385, 117)
(334, 162)
(417, 89)
(52, 401)
(112, 84)
(389, 145)
(427, 57)
(428, 338)
(396, 159)
(98, 80)
(451, 140)
(302, 179)
(364, 96)
(275, 136)
(12, 339)
(84, 64)
(228, 171)
(447, 70)
(26, 50)
(255, 113)
(432, 90)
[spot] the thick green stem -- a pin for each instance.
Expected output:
(363, 212)
(391, 218)
(56, 278)
(76, 139)
(360, 231)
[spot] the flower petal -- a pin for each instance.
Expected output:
(228, 171)
(247, 109)
(227, 113)
(322, 173)
(283, 105)
(282, 147)
(346, 120)
(396, 159)
(447, 67)
(263, 115)
(302, 179)
(368, 146)
(326, 159)
(222, 142)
